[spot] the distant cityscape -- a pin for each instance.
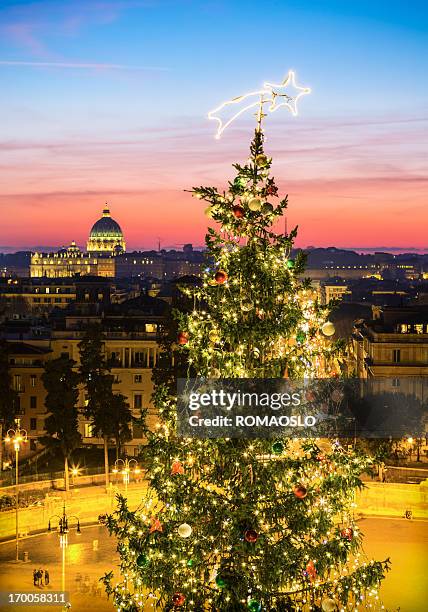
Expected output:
(47, 299)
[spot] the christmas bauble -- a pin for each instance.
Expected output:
(240, 181)
(254, 204)
(290, 263)
(184, 530)
(213, 336)
(267, 208)
(300, 491)
(300, 337)
(212, 282)
(254, 605)
(292, 341)
(220, 582)
(210, 210)
(190, 563)
(238, 211)
(251, 536)
(183, 337)
(328, 328)
(347, 533)
(178, 599)
(261, 160)
(277, 447)
(221, 277)
(328, 605)
(142, 560)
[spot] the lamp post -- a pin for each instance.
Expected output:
(16, 437)
(124, 466)
(63, 529)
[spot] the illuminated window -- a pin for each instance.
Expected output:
(89, 430)
(151, 327)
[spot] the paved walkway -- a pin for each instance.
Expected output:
(90, 555)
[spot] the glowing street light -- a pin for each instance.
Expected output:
(63, 530)
(125, 467)
(16, 437)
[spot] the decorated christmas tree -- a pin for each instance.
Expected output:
(247, 524)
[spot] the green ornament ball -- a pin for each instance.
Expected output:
(220, 582)
(142, 560)
(240, 181)
(190, 563)
(277, 448)
(254, 605)
(267, 208)
(290, 263)
(300, 337)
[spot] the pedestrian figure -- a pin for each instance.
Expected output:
(46, 577)
(40, 577)
(35, 577)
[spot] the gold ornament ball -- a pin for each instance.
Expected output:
(261, 160)
(255, 204)
(213, 336)
(328, 605)
(328, 329)
(209, 211)
(184, 530)
(212, 282)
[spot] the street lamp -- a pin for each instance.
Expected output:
(16, 437)
(124, 466)
(63, 529)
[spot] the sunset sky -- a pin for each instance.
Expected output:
(108, 101)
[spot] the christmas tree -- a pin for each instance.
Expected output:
(238, 524)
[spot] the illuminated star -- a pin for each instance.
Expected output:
(248, 101)
(282, 98)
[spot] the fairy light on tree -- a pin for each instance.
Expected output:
(236, 525)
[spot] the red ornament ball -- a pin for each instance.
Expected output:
(178, 599)
(238, 211)
(221, 277)
(347, 533)
(251, 536)
(183, 337)
(300, 491)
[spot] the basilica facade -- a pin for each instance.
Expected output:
(105, 242)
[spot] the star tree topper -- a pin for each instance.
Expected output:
(276, 95)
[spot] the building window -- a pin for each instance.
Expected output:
(33, 402)
(138, 378)
(89, 430)
(140, 358)
(396, 355)
(138, 400)
(33, 380)
(33, 424)
(151, 327)
(17, 382)
(395, 382)
(57, 300)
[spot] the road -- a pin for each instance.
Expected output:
(92, 553)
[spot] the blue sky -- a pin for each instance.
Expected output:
(104, 85)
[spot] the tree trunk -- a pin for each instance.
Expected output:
(66, 474)
(106, 462)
